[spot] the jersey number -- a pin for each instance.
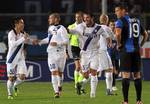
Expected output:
(134, 30)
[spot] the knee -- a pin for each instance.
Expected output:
(86, 75)
(93, 72)
(22, 77)
(55, 72)
(11, 78)
(125, 74)
(137, 75)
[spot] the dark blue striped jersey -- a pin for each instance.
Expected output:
(131, 31)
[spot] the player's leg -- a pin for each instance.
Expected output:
(109, 79)
(61, 65)
(105, 63)
(93, 70)
(21, 74)
(54, 73)
(83, 80)
(10, 81)
(76, 57)
(138, 86)
(54, 80)
(115, 74)
(77, 71)
(84, 66)
(136, 69)
(94, 81)
(125, 68)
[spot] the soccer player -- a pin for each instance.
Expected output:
(89, 35)
(57, 41)
(75, 49)
(105, 62)
(15, 56)
(113, 52)
(128, 31)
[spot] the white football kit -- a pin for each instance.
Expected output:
(89, 38)
(104, 58)
(56, 54)
(15, 56)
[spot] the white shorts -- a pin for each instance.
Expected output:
(89, 60)
(105, 62)
(56, 61)
(18, 68)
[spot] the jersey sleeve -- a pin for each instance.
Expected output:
(118, 24)
(77, 30)
(111, 33)
(44, 41)
(13, 41)
(103, 32)
(64, 35)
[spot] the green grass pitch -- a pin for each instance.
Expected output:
(42, 93)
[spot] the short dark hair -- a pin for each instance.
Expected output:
(56, 15)
(79, 12)
(16, 21)
(89, 13)
(122, 6)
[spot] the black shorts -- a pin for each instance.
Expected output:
(130, 62)
(75, 52)
(116, 64)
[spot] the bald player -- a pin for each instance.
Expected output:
(105, 63)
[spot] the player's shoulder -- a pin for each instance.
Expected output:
(81, 25)
(54, 27)
(104, 26)
(72, 26)
(61, 26)
(11, 32)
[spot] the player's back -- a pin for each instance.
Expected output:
(103, 41)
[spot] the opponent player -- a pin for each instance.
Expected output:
(128, 31)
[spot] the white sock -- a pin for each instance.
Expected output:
(10, 87)
(55, 83)
(17, 82)
(84, 81)
(60, 81)
(94, 81)
(109, 79)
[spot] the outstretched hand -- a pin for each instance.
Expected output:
(35, 42)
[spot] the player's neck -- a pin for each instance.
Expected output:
(90, 25)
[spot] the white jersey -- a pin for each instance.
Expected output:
(89, 36)
(103, 42)
(56, 34)
(15, 44)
